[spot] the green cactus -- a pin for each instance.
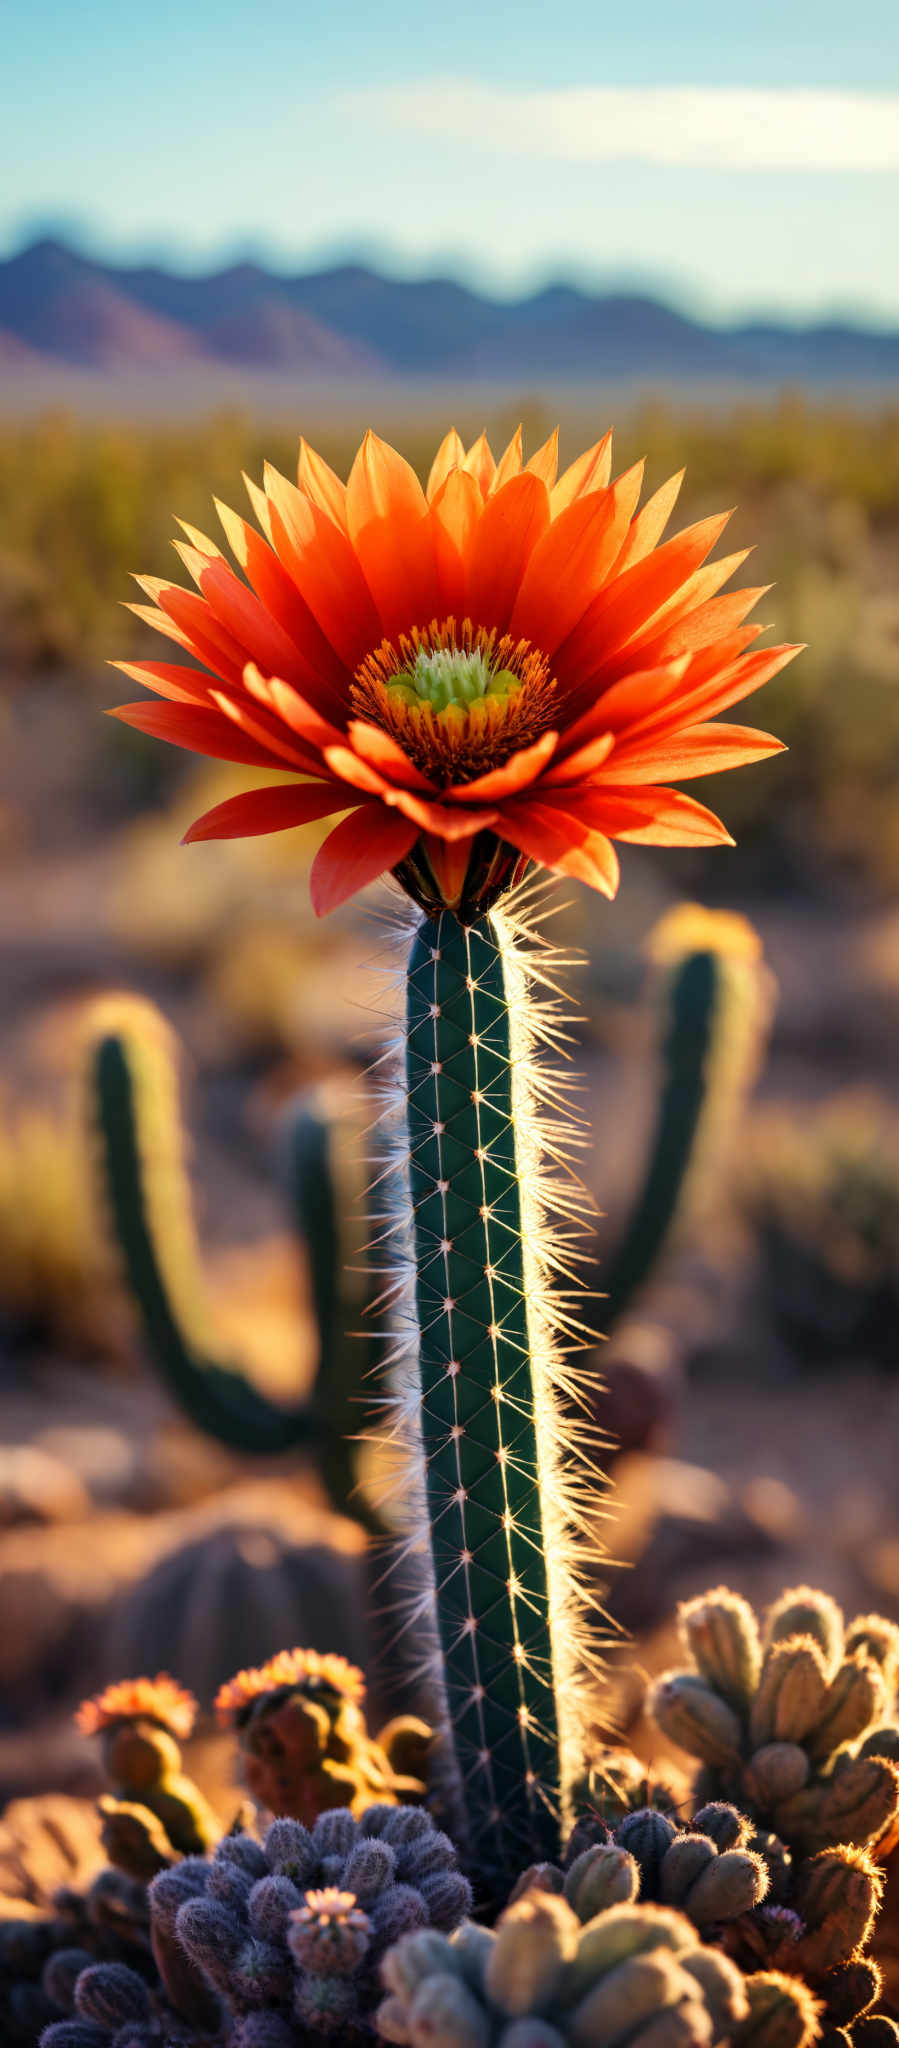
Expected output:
(484, 1389)
(714, 997)
(707, 1868)
(633, 1973)
(134, 1101)
(796, 1725)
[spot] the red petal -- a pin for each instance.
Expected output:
(343, 762)
(182, 685)
(389, 526)
(630, 601)
(300, 716)
(694, 750)
(320, 670)
(322, 484)
(480, 464)
(385, 754)
(276, 809)
(320, 561)
(513, 776)
(627, 702)
(450, 455)
(570, 564)
(201, 731)
(445, 822)
(582, 764)
(563, 843)
(545, 463)
(455, 512)
(649, 525)
(650, 816)
(268, 732)
(358, 850)
(511, 525)
(509, 464)
(591, 472)
(197, 629)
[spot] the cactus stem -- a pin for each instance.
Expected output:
(501, 1495)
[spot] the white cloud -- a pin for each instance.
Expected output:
(698, 126)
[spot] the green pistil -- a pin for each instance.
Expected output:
(446, 675)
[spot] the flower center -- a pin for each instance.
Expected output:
(441, 676)
(458, 701)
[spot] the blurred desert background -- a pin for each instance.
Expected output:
(750, 1392)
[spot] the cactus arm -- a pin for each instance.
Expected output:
(322, 1202)
(216, 1395)
(477, 1403)
(688, 1040)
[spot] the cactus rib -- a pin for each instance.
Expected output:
(477, 1391)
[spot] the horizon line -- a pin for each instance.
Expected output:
(589, 281)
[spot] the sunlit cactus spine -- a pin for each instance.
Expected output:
(714, 997)
(795, 1723)
(134, 1105)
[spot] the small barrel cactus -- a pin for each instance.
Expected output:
(796, 1725)
(289, 1933)
(157, 1812)
(304, 1740)
(233, 1594)
(633, 1973)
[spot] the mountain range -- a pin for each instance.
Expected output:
(58, 307)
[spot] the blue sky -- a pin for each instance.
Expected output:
(739, 158)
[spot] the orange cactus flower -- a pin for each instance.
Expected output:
(300, 1668)
(509, 666)
(140, 1699)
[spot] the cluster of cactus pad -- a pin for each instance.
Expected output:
(542, 1979)
(810, 1919)
(355, 1922)
(797, 1723)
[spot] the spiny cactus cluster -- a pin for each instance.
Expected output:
(809, 1919)
(156, 1813)
(41, 1957)
(289, 1934)
(796, 1725)
(706, 1870)
(304, 1741)
(632, 1974)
